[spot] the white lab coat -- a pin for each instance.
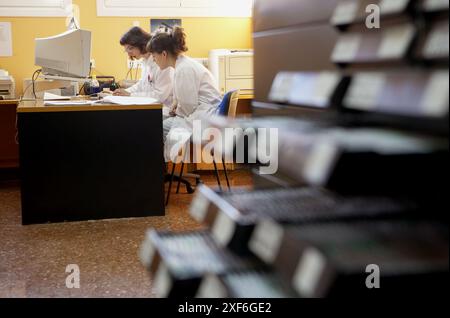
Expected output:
(196, 95)
(154, 83)
(195, 90)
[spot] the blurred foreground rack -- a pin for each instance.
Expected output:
(358, 205)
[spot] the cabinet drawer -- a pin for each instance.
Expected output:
(240, 66)
(242, 84)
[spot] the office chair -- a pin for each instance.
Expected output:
(228, 107)
(181, 178)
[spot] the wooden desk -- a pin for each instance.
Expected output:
(9, 150)
(90, 162)
(245, 105)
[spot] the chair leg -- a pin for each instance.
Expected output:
(170, 184)
(226, 174)
(181, 177)
(188, 185)
(217, 174)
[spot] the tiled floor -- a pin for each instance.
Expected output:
(33, 259)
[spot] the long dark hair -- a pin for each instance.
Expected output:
(136, 37)
(173, 42)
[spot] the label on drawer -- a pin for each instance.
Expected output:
(435, 5)
(345, 12)
(393, 6)
(223, 229)
(326, 84)
(162, 281)
(396, 41)
(346, 48)
(314, 89)
(365, 90)
(309, 272)
(436, 97)
(199, 207)
(437, 43)
(211, 287)
(282, 87)
(320, 163)
(266, 241)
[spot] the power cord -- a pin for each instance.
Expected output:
(25, 91)
(33, 81)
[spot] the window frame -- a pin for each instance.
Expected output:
(19, 8)
(126, 9)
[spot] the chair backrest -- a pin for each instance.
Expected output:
(225, 104)
(233, 103)
(228, 106)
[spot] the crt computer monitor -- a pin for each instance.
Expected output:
(67, 54)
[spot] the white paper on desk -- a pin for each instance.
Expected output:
(68, 103)
(50, 96)
(5, 39)
(125, 100)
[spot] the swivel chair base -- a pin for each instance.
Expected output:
(181, 179)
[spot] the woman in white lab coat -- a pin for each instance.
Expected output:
(195, 93)
(155, 83)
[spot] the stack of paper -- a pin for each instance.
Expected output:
(68, 103)
(125, 100)
(50, 96)
(55, 100)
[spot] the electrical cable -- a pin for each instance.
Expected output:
(33, 81)
(25, 91)
(81, 89)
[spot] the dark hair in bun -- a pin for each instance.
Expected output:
(173, 42)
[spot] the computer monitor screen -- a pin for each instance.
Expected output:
(67, 54)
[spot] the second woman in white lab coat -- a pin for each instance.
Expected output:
(154, 83)
(195, 93)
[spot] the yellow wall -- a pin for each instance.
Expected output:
(203, 34)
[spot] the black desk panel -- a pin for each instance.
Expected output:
(91, 165)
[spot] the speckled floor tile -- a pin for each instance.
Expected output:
(33, 259)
